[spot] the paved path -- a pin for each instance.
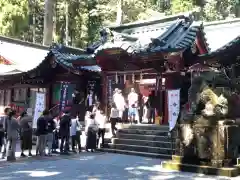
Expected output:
(95, 166)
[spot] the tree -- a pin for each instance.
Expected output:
(14, 19)
(179, 6)
(48, 22)
(219, 9)
(119, 18)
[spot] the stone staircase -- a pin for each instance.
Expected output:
(143, 140)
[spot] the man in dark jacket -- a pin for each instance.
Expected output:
(25, 122)
(42, 131)
(49, 138)
(151, 106)
(65, 123)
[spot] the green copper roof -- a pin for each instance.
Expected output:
(65, 55)
(171, 34)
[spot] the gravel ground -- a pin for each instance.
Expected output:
(95, 166)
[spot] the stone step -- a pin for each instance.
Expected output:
(144, 137)
(149, 127)
(144, 132)
(157, 150)
(160, 144)
(136, 153)
(107, 140)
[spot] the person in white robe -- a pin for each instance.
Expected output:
(102, 121)
(145, 109)
(132, 105)
(120, 103)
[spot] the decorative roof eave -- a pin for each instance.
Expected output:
(170, 37)
(202, 36)
(64, 57)
(235, 43)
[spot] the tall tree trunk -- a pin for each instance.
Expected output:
(32, 8)
(238, 10)
(119, 19)
(34, 25)
(55, 22)
(48, 22)
(66, 23)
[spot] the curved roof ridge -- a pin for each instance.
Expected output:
(147, 22)
(212, 23)
(23, 43)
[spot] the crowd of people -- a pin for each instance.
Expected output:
(135, 107)
(63, 133)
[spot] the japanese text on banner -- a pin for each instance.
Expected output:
(63, 95)
(173, 107)
(39, 108)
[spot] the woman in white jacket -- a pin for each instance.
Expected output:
(101, 120)
(91, 130)
(75, 132)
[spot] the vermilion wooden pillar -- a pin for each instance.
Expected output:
(47, 96)
(104, 83)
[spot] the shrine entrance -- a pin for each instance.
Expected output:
(143, 82)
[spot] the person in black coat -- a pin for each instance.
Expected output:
(49, 137)
(65, 123)
(41, 132)
(25, 133)
(151, 106)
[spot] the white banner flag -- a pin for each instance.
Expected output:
(173, 107)
(39, 107)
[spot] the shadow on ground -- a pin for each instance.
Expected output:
(97, 166)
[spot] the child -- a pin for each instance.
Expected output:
(114, 118)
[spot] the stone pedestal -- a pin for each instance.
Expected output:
(207, 145)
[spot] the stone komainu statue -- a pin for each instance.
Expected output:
(206, 134)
